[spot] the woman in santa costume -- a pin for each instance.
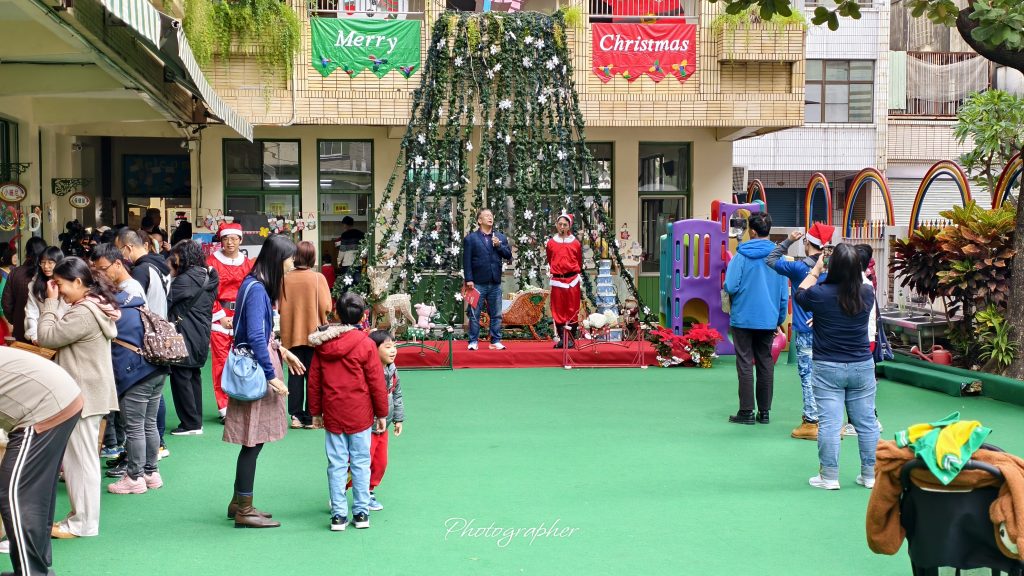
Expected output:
(565, 259)
(232, 266)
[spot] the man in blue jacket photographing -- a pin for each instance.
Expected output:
(482, 253)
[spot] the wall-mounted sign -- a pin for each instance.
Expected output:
(79, 200)
(341, 208)
(357, 44)
(12, 192)
(632, 50)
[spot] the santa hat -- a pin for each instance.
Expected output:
(820, 234)
(567, 216)
(229, 228)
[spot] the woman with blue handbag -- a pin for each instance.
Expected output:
(253, 378)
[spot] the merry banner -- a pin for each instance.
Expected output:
(631, 50)
(357, 44)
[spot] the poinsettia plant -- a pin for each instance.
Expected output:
(701, 340)
(671, 348)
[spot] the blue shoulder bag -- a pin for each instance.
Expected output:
(243, 379)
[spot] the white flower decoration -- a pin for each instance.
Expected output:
(527, 62)
(490, 74)
(433, 235)
(495, 49)
(433, 186)
(508, 139)
(437, 259)
(505, 104)
(419, 160)
(523, 238)
(497, 68)
(533, 273)
(469, 146)
(542, 99)
(528, 215)
(392, 263)
(411, 258)
(454, 249)
(562, 155)
(458, 60)
(540, 43)
(403, 274)
(441, 43)
(647, 310)
(416, 278)
(397, 237)
(347, 280)
(414, 244)
(528, 40)
(458, 296)
(516, 273)
(421, 139)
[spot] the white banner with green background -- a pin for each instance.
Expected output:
(357, 44)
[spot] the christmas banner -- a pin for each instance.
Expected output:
(357, 44)
(631, 50)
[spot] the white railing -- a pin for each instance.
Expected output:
(375, 9)
(649, 11)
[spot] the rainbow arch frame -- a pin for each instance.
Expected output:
(1007, 179)
(756, 186)
(940, 168)
(863, 177)
(817, 182)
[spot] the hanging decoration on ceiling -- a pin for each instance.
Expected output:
(495, 123)
(358, 44)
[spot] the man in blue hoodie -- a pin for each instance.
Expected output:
(760, 302)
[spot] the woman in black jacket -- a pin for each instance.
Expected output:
(190, 308)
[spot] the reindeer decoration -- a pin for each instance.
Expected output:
(395, 306)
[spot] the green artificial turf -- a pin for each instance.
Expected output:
(640, 466)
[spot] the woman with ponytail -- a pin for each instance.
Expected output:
(46, 262)
(82, 339)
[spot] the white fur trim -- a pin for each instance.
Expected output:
(567, 240)
(559, 284)
(236, 261)
(330, 333)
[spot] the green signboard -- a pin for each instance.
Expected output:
(357, 44)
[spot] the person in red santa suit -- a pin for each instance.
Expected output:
(565, 259)
(233, 267)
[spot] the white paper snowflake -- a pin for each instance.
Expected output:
(528, 40)
(527, 63)
(516, 273)
(411, 258)
(458, 296)
(540, 43)
(497, 181)
(425, 216)
(490, 74)
(414, 244)
(505, 104)
(416, 278)
(533, 274)
(433, 235)
(523, 238)
(458, 60)
(469, 146)
(497, 68)
(419, 160)
(543, 99)
(508, 139)
(437, 259)
(392, 263)
(347, 280)
(528, 215)
(647, 310)
(421, 139)
(441, 43)
(562, 155)
(454, 249)
(495, 49)
(433, 186)
(397, 237)
(403, 274)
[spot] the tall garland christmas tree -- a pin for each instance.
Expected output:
(497, 118)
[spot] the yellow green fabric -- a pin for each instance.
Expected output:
(946, 445)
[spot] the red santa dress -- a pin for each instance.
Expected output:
(565, 257)
(231, 271)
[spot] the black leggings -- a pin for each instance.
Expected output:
(245, 471)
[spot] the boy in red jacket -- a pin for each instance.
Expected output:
(347, 396)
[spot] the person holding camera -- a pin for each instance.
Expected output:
(818, 238)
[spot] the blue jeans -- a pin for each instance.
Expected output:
(804, 342)
(349, 453)
(491, 295)
(852, 385)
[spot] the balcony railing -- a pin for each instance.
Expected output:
(647, 11)
(375, 9)
(935, 83)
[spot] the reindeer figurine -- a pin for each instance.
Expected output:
(395, 306)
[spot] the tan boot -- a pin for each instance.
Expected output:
(233, 509)
(247, 517)
(806, 431)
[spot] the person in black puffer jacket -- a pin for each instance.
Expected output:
(190, 309)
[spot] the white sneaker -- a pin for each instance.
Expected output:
(819, 482)
(866, 482)
(163, 453)
(472, 346)
(848, 430)
(497, 346)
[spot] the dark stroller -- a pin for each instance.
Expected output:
(952, 528)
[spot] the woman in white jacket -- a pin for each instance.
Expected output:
(37, 292)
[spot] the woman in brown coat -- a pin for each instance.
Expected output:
(305, 302)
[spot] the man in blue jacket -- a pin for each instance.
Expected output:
(760, 302)
(482, 253)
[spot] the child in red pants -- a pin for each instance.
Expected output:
(396, 412)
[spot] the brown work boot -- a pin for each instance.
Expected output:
(248, 517)
(233, 509)
(806, 431)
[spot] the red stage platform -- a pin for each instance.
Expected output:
(524, 354)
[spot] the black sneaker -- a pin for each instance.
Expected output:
(742, 417)
(119, 461)
(179, 431)
(361, 520)
(762, 417)
(118, 471)
(338, 523)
